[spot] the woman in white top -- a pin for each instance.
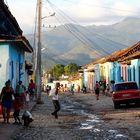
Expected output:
(55, 101)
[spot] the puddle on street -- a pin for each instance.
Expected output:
(93, 123)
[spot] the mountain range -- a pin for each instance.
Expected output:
(83, 44)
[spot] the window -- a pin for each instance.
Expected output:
(125, 86)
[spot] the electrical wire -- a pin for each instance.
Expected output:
(107, 8)
(83, 38)
(90, 31)
(80, 36)
(105, 39)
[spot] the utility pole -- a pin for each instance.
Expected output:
(38, 66)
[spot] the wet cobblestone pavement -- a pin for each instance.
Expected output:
(79, 119)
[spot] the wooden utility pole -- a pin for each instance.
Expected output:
(38, 66)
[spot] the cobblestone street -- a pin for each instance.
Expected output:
(81, 118)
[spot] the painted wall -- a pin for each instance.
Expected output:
(115, 71)
(85, 77)
(17, 65)
(107, 68)
(124, 72)
(4, 64)
(90, 84)
(136, 64)
(129, 76)
(111, 71)
(11, 64)
(97, 73)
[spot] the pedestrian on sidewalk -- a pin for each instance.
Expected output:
(17, 108)
(27, 100)
(31, 89)
(56, 101)
(47, 89)
(21, 92)
(107, 89)
(6, 99)
(72, 89)
(97, 90)
(84, 89)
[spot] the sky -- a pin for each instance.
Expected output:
(83, 12)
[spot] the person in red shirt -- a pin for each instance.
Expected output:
(31, 89)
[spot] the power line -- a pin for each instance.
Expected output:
(77, 33)
(86, 29)
(82, 37)
(107, 40)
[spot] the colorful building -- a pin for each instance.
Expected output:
(12, 48)
(124, 64)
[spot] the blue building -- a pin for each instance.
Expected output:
(12, 48)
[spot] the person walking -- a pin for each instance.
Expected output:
(47, 89)
(84, 89)
(17, 108)
(31, 89)
(21, 92)
(97, 90)
(6, 98)
(78, 88)
(72, 89)
(56, 101)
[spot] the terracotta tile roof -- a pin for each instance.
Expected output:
(90, 70)
(133, 52)
(124, 55)
(116, 55)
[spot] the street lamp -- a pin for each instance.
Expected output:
(51, 15)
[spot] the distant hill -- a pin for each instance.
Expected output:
(82, 44)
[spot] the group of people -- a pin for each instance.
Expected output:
(78, 89)
(106, 89)
(17, 99)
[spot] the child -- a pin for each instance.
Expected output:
(107, 89)
(27, 99)
(17, 107)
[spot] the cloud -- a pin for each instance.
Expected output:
(88, 9)
(24, 13)
(101, 12)
(124, 9)
(84, 12)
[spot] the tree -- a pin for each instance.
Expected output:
(71, 69)
(58, 70)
